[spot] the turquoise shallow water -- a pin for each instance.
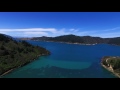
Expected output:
(68, 61)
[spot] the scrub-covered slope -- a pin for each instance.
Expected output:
(15, 54)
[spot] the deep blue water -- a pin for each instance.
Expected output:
(68, 61)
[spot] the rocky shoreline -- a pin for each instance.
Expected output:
(108, 66)
(109, 69)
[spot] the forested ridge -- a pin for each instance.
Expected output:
(15, 54)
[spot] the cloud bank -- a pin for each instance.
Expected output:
(37, 32)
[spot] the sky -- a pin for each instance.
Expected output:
(37, 24)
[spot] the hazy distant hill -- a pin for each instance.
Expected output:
(43, 38)
(115, 41)
(68, 38)
(65, 38)
(92, 40)
(14, 54)
(79, 39)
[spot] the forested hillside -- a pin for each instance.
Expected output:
(14, 54)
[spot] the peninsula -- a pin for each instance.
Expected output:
(14, 54)
(112, 64)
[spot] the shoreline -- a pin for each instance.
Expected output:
(11, 70)
(109, 69)
(77, 43)
(6, 72)
(67, 42)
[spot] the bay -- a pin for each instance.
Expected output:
(68, 61)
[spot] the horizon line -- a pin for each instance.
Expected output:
(61, 35)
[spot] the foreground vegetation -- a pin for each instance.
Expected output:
(15, 54)
(112, 64)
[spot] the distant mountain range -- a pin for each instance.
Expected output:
(77, 39)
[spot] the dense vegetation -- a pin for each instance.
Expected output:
(14, 54)
(114, 62)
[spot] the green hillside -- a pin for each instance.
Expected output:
(14, 54)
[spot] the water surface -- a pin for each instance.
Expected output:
(68, 61)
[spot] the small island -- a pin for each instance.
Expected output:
(14, 54)
(112, 64)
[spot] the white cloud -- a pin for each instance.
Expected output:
(116, 28)
(107, 35)
(34, 32)
(30, 29)
(3, 32)
(72, 29)
(76, 30)
(37, 32)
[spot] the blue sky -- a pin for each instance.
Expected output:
(36, 24)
